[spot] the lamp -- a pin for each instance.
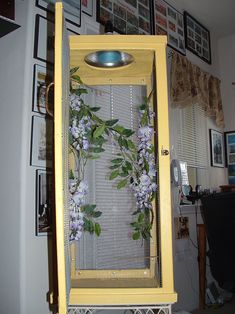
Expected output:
(108, 59)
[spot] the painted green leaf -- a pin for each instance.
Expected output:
(88, 209)
(114, 174)
(122, 184)
(136, 235)
(97, 229)
(143, 107)
(127, 132)
(119, 128)
(77, 78)
(114, 166)
(124, 143)
(123, 174)
(141, 217)
(99, 131)
(131, 145)
(97, 150)
(97, 119)
(96, 214)
(93, 157)
(111, 122)
(71, 175)
(117, 160)
(73, 70)
(80, 91)
(94, 109)
(128, 165)
(88, 225)
(98, 141)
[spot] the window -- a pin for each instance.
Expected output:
(190, 138)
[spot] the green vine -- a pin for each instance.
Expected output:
(87, 136)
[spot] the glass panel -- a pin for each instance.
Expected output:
(114, 248)
(97, 260)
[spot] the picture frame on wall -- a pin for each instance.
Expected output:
(44, 202)
(87, 7)
(72, 9)
(41, 142)
(43, 76)
(44, 39)
(127, 16)
(217, 148)
(229, 138)
(197, 38)
(170, 22)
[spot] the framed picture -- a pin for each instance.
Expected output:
(181, 227)
(127, 16)
(87, 7)
(217, 148)
(197, 38)
(229, 138)
(170, 22)
(43, 76)
(44, 39)
(72, 9)
(41, 142)
(44, 201)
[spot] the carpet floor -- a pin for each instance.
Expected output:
(226, 308)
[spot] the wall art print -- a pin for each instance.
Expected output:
(170, 22)
(87, 7)
(72, 9)
(128, 16)
(43, 76)
(44, 193)
(230, 155)
(41, 142)
(44, 39)
(216, 148)
(197, 38)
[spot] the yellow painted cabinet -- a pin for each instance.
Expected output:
(149, 282)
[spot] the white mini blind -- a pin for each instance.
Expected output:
(114, 249)
(191, 141)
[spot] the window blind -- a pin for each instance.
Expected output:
(191, 141)
(114, 249)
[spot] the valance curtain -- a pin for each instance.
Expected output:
(190, 85)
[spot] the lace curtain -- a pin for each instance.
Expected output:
(191, 85)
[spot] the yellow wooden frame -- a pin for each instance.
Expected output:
(96, 77)
(142, 46)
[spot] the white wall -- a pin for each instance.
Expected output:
(226, 48)
(24, 257)
(12, 68)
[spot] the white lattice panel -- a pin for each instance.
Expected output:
(152, 309)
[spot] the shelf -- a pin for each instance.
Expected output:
(7, 26)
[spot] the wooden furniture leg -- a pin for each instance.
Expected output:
(202, 264)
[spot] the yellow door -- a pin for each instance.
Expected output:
(61, 121)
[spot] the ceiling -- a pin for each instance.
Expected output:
(216, 15)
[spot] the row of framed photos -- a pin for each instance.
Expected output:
(222, 147)
(41, 149)
(131, 17)
(157, 17)
(72, 8)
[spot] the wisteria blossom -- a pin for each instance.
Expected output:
(79, 127)
(78, 192)
(78, 189)
(144, 185)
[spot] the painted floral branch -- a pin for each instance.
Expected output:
(132, 166)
